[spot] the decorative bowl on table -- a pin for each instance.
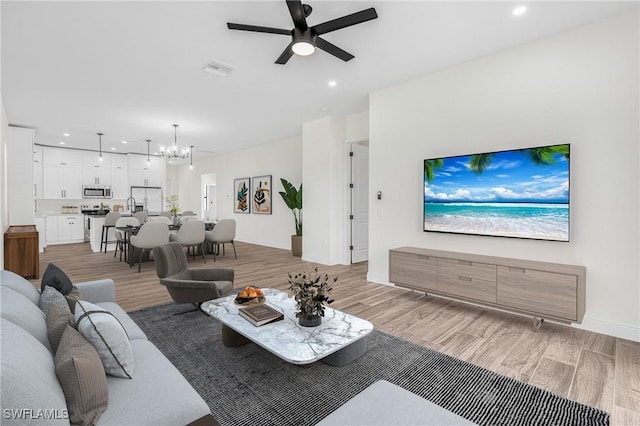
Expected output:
(250, 296)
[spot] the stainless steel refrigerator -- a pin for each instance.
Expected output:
(150, 197)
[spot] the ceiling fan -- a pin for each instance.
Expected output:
(305, 39)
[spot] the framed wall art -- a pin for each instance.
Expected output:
(261, 199)
(242, 192)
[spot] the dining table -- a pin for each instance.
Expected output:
(132, 252)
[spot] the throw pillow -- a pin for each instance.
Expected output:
(50, 296)
(72, 298)
(108, 336)
(54, 277)
(82, 378)
(58, 319)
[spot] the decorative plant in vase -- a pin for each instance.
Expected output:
(173, 204)
(293, 199)
(311, 292)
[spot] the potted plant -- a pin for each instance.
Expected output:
(311, 292)
(173, 205)
(293, 199)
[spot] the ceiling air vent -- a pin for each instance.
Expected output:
(218, 68)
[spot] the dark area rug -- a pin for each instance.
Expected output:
(249, 386)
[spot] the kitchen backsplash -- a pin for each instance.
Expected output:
(45, 207)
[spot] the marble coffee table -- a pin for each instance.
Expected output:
(340, 339)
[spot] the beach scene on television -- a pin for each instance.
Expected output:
(521, 193)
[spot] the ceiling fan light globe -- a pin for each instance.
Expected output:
(303, 48)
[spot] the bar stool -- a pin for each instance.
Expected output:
(109, 222)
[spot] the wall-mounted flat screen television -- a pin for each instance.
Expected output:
(521, 193)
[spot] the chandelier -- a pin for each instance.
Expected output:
(173, 151)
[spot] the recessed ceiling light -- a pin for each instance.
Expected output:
(61, 142)
(124, 141)
(332, 83)
(520, 10)
(113, 149)
(66, 134)
(324, 109)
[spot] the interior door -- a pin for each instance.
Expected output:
(360, 203)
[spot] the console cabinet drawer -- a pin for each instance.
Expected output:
(469, 288)
(543, 292)
(412, 270)
(473, 270)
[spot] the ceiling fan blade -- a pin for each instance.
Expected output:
(333, 49)
(257, 29)
(285, 55)
(297, 14)
(346, 21)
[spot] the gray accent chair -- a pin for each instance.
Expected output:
(223, 232)
(190, 285)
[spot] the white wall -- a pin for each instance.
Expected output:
(4, 209)
(579, 86)
(281, 159)
(324, 176)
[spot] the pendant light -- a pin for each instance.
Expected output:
(148, 159)
(191, 156)
(100, 142)
(173, 151)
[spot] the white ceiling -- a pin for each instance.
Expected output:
(132, 69)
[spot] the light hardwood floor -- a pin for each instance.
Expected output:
(594, 369)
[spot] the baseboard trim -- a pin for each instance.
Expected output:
(609, 328)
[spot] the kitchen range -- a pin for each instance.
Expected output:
(88, 212)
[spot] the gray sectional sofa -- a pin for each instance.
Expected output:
(31, 394)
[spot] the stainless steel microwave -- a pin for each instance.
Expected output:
(96, 191)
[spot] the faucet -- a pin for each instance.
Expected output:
(131, 205)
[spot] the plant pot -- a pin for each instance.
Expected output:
(296, 245)
(312, 321)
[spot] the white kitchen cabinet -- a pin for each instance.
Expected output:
(62, 173)
(62, 181)
(94, 171)
(69, 157)
(19, 175)
(96, 175)
(37, 173)
(70, 228)
(142, 175)
(119, 187)
(51, 229)
(62, 229)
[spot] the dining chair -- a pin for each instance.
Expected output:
(109, 222)
(150, 235)
(121, 238)
(223, 232)
(141, 216)
(162, 219)
(191, 235)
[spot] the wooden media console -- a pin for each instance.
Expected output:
(540, 289)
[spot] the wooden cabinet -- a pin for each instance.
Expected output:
(541, 289)
(21, 251)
